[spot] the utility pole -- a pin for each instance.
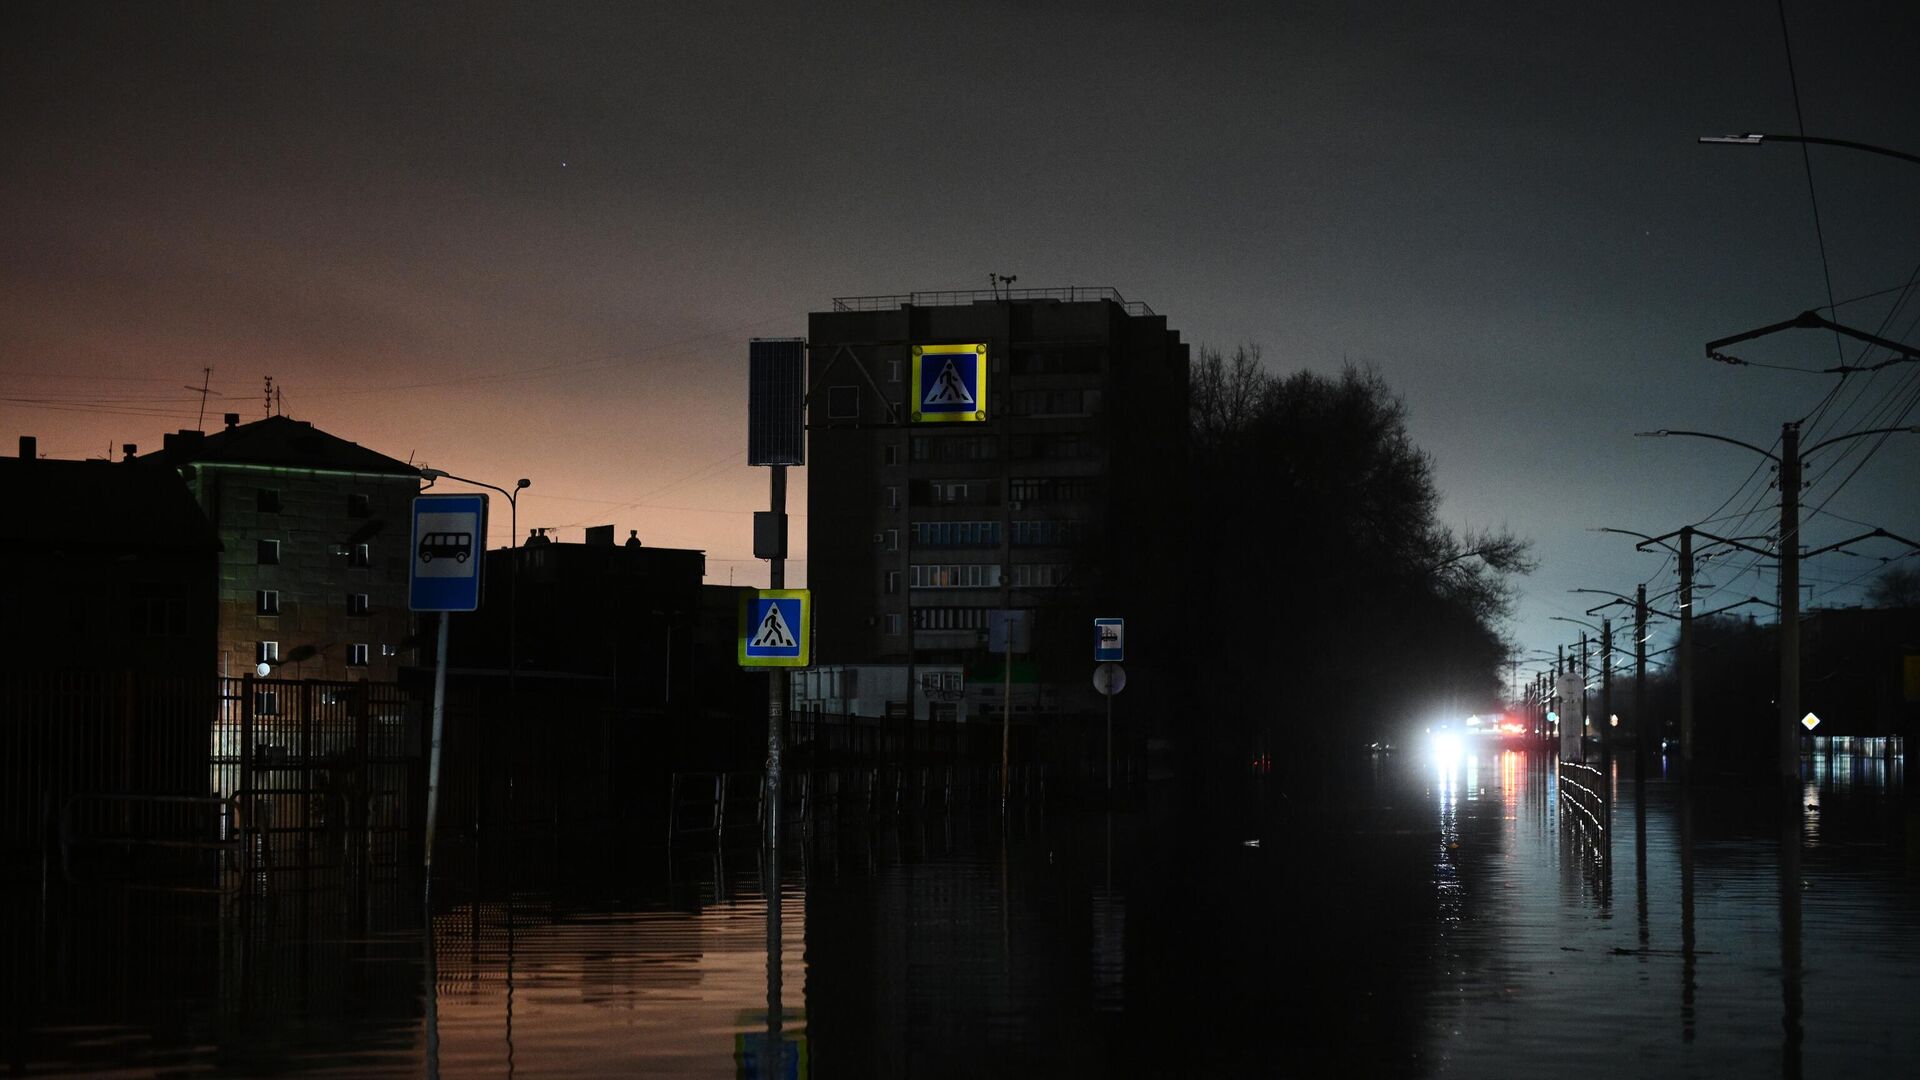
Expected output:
(1606, 697)
(1789, 601)
(1584, 677)
(1640, 683)
(1686, 654)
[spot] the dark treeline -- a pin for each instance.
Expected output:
(1331, 608)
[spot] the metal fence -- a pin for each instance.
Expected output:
(322, 778)
(93, 732)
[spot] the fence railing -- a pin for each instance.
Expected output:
(949, 297)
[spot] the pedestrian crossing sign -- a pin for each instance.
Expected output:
(776, 628)
(949, 383)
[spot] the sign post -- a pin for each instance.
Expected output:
(1109, 648)
(449, 545)
(781, 636)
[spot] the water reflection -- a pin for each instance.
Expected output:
(1418, 921)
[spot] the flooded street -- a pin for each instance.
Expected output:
(1433, 921)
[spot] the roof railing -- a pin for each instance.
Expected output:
(952, 297)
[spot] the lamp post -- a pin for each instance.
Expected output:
(1789, 459)
(1756, 138)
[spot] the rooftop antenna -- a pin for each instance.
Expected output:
(269, 396)
(206, 376)
(279, 402)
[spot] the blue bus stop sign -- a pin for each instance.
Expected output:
(449, 544)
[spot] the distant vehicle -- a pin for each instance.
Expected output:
(457, 546)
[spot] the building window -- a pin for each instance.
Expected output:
(893, 582)
(357, 604)
(357, 655)
(893, 497)
(1048, 533)
(266, 702)
(955, 447)
(843, 403)
(891, 453)
(359, 505)
(1039, 575)
(389, 650)
(949, 618)
(956, 576)
(266, 602)
(1069, 402)
(266, 652)
(267, 552)
(267, 500)
(893, 625)
(893, 539)
(956, 534)
(360, 555)
(893, 371)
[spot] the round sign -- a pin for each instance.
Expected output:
(263, 669)
(1109, 679)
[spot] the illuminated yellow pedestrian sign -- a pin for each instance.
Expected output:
(776, 628)
(949, 383)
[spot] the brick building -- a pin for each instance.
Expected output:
(314, 533)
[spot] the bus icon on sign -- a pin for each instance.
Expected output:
(457, 546)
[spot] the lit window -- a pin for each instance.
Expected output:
(266, 652)
(266, 602)
(267, 552)
(357, 655)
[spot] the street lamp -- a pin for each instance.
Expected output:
(1756, 138)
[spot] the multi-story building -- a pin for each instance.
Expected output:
(314, 532)
(1058, 492)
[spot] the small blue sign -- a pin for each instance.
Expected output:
(776, 628)
(448, 546)
(1109, 641)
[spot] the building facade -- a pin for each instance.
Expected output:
(1057, 493)
(314, 533)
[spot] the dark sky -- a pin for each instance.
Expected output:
(533, 240)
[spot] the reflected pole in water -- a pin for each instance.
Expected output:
(1791, 1013)
(774, 1059)
(1689, 958)
(1640, 857)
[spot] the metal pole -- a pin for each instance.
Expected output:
(1006, 715)
(1686, 653)
(1640, 682)
(1606, 697)
(1109, 747)
(433, 758)
(1583, 692)
(1789, 601)
(776, 677)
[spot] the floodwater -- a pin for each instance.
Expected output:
(1431, 920)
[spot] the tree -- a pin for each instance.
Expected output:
(1897, 586)
(1330, 603)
